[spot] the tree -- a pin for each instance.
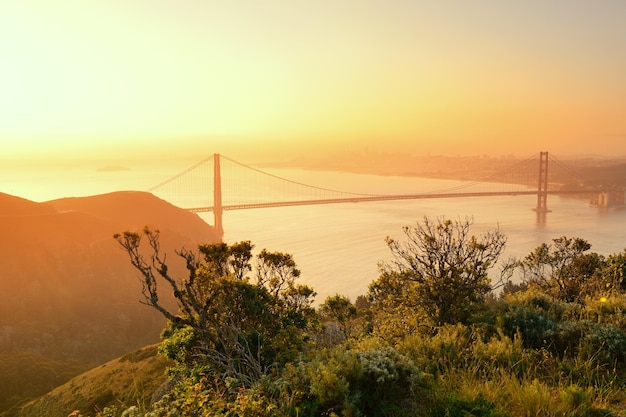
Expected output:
(340, 309)
(562, 268)
(240, 327)
(440, 269)
(613, 273)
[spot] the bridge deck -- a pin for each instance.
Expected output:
(382, 198)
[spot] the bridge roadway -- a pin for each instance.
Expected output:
(382, 198)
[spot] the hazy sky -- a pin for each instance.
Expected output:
(443, 76)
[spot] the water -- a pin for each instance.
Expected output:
(338, 247)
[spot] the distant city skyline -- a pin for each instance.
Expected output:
(102, 77)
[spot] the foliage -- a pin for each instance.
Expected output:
(605, 345)
(613, 273)
(563, 269)
(241, 327)
(341, 310)
(532, 324)
(436, 354)
(394, 311)
(441, 267)
(373, 382)
(535, 351)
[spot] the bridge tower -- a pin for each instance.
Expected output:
(542, 188)
(217, 195)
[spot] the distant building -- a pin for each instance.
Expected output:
(611, 198)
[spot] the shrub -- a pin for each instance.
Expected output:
(372, 382)
(605, 344)
(564, 339)
(575, 399)
(447, 349)
(531, 323)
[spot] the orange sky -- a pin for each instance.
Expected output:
(86, 77)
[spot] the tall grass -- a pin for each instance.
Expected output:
(472, 376)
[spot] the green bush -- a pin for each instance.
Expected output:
(531, 323)
(376, 382)
(564, 340)
(605, 344)
(526, 353)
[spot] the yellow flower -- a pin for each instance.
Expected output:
(603, 299)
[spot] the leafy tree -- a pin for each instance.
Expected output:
(562, 268)
(440, 268)
(240, 326)
(395, 311)
(340, 309)
(613, 273)
(362, 303)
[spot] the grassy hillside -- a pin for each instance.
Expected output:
(132, 379)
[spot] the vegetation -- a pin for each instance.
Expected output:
(246, 340)
(27, 375)
(228, 324)
(440, 270)
(131, 379)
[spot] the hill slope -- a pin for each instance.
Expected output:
(132, 379)
(69, 294)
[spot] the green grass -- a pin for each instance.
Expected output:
(130, 380)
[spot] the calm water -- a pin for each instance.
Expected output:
(338, 247)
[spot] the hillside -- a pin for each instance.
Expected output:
(132, 379)
(69, 295)
(137, 209)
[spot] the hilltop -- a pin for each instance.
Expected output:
(70, 298)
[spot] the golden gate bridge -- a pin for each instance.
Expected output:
(218, 183)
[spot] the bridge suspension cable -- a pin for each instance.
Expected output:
(286, 180)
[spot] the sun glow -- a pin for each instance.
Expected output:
(432, 77)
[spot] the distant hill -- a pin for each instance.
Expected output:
(17, 206)
(69, 294)
(137, 209)
(608, 172)
(607, 175)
